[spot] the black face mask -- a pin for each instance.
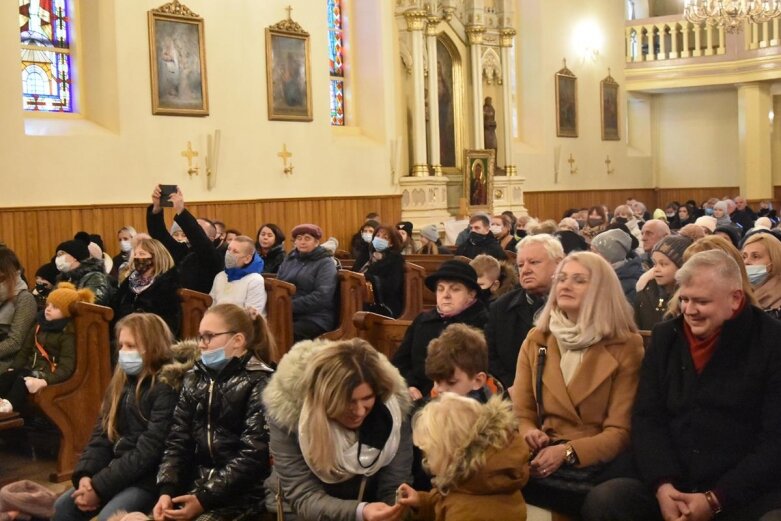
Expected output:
(477, 237)
(485, 295)
(621, 220)
(142, 265)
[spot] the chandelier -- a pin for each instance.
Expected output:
(731, 14)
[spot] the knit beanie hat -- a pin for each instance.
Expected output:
(706, 221)
(312, 229)
(83, 237)
(48, 272)
(66, 294)
(28, 497)
(673, 247)
(76, 249)
(406, 226)
(430, 232)
(331, 245)
(659, 214)
(613, 245)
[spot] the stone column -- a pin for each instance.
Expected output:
(416, 23)
(754, 105)
(433, 96)
(507, 36)
(475, 36)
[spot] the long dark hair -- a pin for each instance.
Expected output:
(279, 235)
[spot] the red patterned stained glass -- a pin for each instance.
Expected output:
(336, 61)
(337, 102)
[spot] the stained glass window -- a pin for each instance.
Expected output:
(336, 61)
(45, 36)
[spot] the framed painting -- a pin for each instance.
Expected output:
(288, 77)
(177, 59)
(566, 103)
(479, 179)
(609, 108)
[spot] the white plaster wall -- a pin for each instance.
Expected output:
(121, 150)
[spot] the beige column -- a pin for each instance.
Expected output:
(433, 90)
(754, 134)
(475, 34)
(507, 37)
(416, 22)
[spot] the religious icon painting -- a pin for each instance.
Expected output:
(177, 60)
(479, 179)
(609, 108)
(288, 76)
(566, 103)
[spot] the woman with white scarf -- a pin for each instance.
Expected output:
(576, 380)
(17, 307)
(340, 433)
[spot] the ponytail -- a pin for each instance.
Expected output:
(263, 345)
(250, 323)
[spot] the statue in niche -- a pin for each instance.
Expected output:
(489, 124)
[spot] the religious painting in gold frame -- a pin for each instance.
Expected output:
(566, 103)
(177, 59)
(609, 108)
(288, 76)
(479, 179)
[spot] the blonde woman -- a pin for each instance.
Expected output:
(151, 286)
(586, 353)
(762, 257)
(117, 469)
(340, 436)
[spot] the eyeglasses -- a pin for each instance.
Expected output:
(577, 278)
(206, 338)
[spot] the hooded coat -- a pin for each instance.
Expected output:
(309, 497)
(143, 425)
(91, 274)
(484, 481)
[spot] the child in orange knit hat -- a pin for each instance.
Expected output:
(48, 354)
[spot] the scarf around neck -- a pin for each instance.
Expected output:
(572, 340)
(255, 266)
(769, 294)
(138, 282)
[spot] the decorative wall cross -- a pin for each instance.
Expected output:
(572, 168)
(285, 155)
(608, 162)
(190, 154)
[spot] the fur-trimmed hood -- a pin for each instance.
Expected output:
(186, 352)
(283, 397)
(494, 459)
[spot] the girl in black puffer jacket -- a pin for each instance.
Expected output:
(117, 468)
(216, 455)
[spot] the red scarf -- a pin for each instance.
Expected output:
(702, 349)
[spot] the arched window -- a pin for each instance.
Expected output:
(45, 35)
(336, 61)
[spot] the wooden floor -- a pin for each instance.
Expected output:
(20, 460)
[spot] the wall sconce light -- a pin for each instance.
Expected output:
(587, 40)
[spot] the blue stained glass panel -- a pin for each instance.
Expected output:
(334, 15)
(337, 102)
(335, 61)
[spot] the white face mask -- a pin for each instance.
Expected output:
(125, 246)
(757, 274)
(62, 264)
(367, 237)
(496, 229)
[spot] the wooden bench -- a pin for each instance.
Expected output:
(73, 405)
(384, 333)
(430, 264)
(353, 294)
(279, 313)
(10, 420)
(646, 334)
(414, 276)
(194, 306)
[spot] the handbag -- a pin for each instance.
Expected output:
(567, 478)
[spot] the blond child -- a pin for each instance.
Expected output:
(495, 278)
(479, 462)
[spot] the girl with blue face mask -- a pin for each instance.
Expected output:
(118, 466)
(216, 455)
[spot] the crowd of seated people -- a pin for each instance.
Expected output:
(528, 382)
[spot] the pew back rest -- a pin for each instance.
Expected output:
(414, 276)
(279, 312)
(194, 306)
(384, 333)
(352, 296)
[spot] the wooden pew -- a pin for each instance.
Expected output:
(10, 420)
(347, 264)
(279, 312)
(194, 306)
(413, 290)
(430, 264)
(646, 334)
(73, 405)
(352, 296)
(384, 333)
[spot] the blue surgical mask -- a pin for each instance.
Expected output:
(709, 211)
(757, 274)
(215, 358)
(130, 362)
(380, 244)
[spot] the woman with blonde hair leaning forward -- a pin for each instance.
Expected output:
(340, 435)
(575, 383)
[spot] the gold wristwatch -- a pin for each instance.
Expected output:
(570, 458)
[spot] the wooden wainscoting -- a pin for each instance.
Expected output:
(34, 232)
(776, 197)
(553, 204)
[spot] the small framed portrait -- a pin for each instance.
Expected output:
(288, 77)
(609, 109)
(566, 103)
(479, 179)
(177, 59)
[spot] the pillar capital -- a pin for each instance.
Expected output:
(475, 34)
(507, 36)
(431, 26)
(416, 19)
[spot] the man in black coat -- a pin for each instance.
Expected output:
(512, 315)
(742, 214)
(197, 259)
(706, 426)
(481, 240)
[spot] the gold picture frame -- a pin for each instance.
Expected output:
(608, 98)
(566, 103)
(288, 76)
(479, 179)
(177, 59)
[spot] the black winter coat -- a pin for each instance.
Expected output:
(160, 298)
(628, 273)
(198, 263)
(486, 244)
(510, 318)
(133, 459)
(650, 305)
(218, 444)
(273, 260)
(387, 278)
(411, 356)
(91, 274)
(719, 430)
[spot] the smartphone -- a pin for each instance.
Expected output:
(165, 192)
